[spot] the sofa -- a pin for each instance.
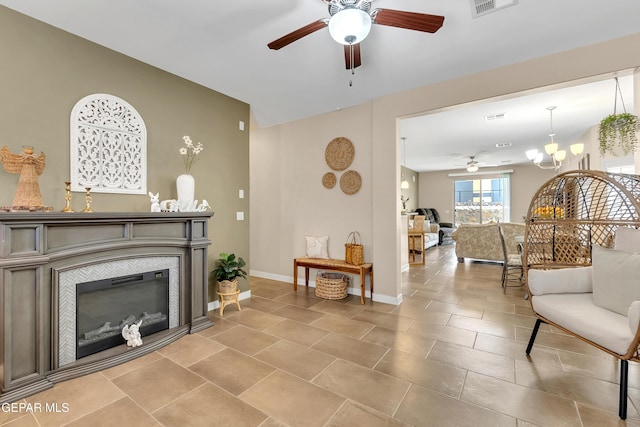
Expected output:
(482, 241)
(431, 235)
(445, 228)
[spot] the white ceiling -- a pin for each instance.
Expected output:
(223, 45)
(445, 140)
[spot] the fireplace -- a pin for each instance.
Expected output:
(66, 276)
(105, 307)
(114, 284)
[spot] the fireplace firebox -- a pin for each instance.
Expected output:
(104, 307)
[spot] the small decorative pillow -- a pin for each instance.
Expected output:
(627, 239)
(317, 247)
(427, 225)
(615, 278)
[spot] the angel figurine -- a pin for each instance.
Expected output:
(29, 167)
(131, 333)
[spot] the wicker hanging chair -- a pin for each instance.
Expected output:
(567, 216)
(575, 210)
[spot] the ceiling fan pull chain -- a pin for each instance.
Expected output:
(351, 60)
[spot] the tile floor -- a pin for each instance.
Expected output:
(452, 354)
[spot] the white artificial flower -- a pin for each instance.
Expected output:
(190, 152)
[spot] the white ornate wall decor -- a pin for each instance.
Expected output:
(108, 146)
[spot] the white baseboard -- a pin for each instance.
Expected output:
(312, 283)
(213, 305)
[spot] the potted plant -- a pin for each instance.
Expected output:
(228, 269)
(618, 131)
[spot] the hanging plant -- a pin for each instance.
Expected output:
(618, 132)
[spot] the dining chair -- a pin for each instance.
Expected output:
(416, 239)
(512, 271)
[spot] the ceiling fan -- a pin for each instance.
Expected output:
(472, 165)
(350, 22)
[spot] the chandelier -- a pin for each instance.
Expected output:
(557, 156)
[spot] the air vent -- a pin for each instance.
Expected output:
(503, 145)
(482, 7)
(492, 117)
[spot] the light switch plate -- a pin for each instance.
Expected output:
(240, 216)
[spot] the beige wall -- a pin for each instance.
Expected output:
(436, 189)
(413, 192)
(379, 209)
(45, 71)
(289, 201)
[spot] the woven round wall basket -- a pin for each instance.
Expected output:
(331, 285)
(350, 182)
(329, 180)
(339, 153)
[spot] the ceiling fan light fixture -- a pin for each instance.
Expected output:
(350, 26)
(472, 165)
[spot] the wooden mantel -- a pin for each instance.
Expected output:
(36, 246)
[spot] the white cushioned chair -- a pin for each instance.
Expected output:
(582, 263)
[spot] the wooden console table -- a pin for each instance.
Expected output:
(333, 265)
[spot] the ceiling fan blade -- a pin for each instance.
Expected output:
(298, 34)
(357, 61)
(409, 20)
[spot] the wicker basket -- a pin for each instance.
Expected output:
(331, 285)
(354, 249)
(228, 286)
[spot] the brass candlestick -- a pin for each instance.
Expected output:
(67, 197)
(87, 199)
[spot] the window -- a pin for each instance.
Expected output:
(482, 200)
(108, 146)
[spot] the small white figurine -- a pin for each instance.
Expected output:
(187, 206)
(155, 201)
(165, 205)
(203, 206)
(131, 333)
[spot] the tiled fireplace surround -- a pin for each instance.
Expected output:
(43, 256)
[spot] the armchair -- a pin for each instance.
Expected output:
(574, 282)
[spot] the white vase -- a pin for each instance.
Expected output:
(186, 188)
